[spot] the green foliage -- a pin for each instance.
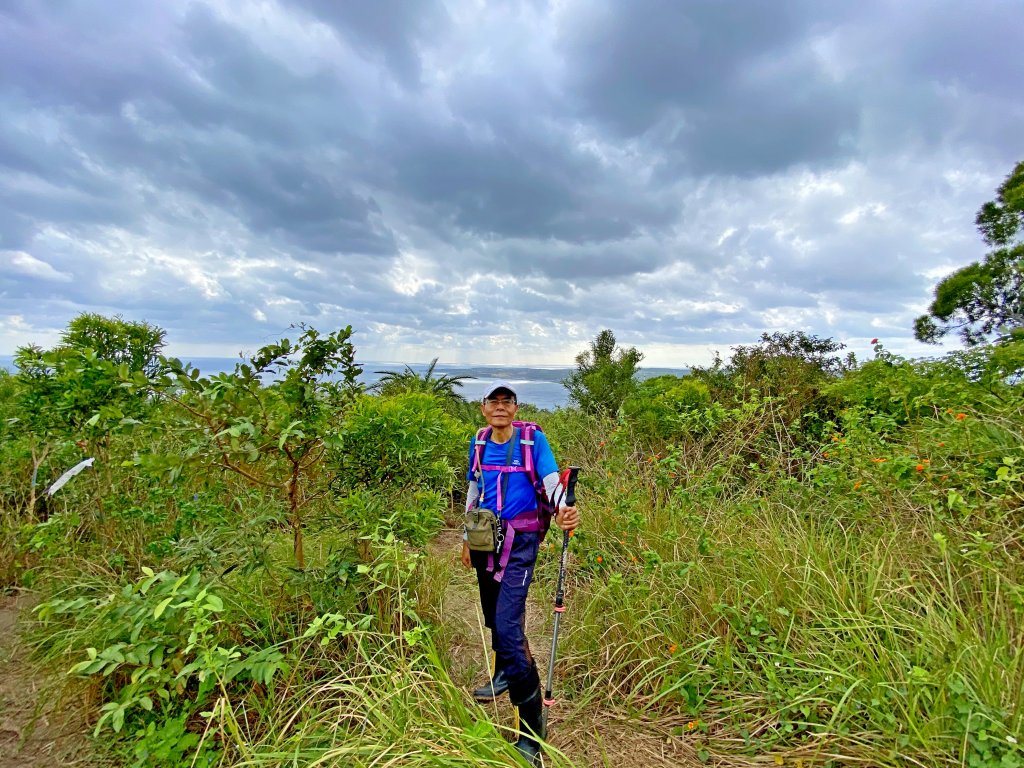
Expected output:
(985, 299)
(274, 434)
(658, 407)
(785, 377)
(77, 388)
(604, 375)
(116, 340)
(977, 301)
(387, 444)
(157, 650)
(1001, 219)
(778, 364)
(812, 562)
(412, 514)
(895, 391)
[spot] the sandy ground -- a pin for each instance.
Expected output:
(36, 728)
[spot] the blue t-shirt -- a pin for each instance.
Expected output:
(519, 495)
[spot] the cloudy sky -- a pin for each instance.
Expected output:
(498, 181)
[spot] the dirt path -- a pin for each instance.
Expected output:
(34, 731)
(588, 738)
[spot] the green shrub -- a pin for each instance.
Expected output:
(656, 408)
(160, 655)
(388, 443)
(413, 515)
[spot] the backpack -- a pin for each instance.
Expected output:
(526, 430)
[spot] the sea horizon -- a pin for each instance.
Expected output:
(537, 385)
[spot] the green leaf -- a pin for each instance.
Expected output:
(158, 611)
(214, 603)
(117, 720)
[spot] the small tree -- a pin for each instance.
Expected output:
(116, 340)
(273, 434)
(604, 376)
(985, 298)
(76, 391)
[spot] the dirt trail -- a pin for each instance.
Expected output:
(34, 731)
(589, 738)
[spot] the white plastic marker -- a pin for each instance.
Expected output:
(62, 480)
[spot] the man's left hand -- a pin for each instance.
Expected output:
(568, 518)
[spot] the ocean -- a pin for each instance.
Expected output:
(539, 386)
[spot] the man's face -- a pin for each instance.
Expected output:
(500, 408)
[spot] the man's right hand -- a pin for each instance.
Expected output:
(466, 563)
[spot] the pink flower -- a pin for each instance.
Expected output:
(874, 341)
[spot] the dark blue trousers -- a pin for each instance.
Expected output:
(504, 608)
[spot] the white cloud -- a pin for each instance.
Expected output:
(21, 263)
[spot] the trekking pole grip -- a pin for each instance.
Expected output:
(570, 487)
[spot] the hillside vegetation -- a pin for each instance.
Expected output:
(787, 557)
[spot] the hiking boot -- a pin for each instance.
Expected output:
(493, 688)
(531, 727)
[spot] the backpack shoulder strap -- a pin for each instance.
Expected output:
(482, 436)
(529, 428)
(479, 443)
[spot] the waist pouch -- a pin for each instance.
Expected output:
(482, 529)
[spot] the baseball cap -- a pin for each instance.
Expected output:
(499, 385)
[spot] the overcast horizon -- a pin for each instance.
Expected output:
(497, 182)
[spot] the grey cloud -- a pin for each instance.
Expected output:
(388, 29)
(676, 171)
(723, 87)
(633, 61)
(531, 187)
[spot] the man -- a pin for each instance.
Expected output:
(504, 577)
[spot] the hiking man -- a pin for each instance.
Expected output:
(500, 482)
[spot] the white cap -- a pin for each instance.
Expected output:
(500, 385)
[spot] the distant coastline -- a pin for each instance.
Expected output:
(540, 386)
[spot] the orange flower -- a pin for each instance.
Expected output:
(835, 438)
(945, 477)
(825, 454)
(879, 461)
(692, 725)
(919, 467)
(601, 444)
(961, 416)
(672, 648)
(949, 410)
(941, 445)
(600, 559)
(856, 485)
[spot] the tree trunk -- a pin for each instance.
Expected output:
(293, 505)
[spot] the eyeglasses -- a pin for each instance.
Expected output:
(500, 401)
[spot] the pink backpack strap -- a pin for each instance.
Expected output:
(527, 442)
(478, 454)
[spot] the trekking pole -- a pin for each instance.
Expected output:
(570, 500)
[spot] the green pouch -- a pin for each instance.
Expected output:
(481, 529)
